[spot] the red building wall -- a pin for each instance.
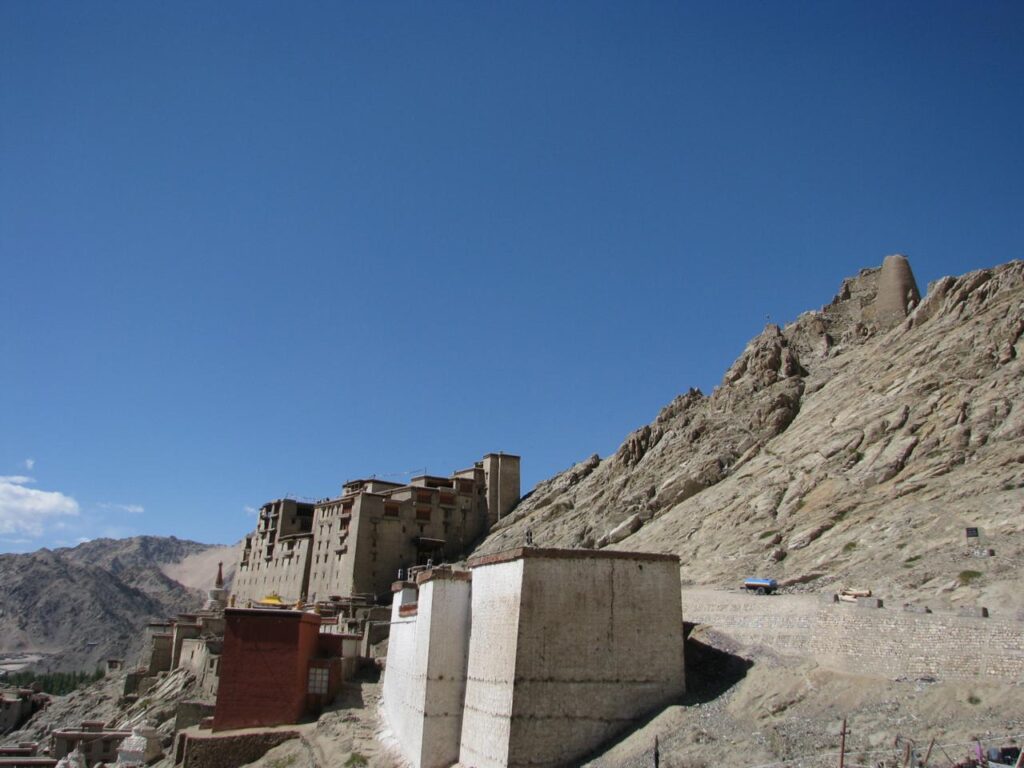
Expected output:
(264, 667)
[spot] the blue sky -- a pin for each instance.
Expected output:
(257, 249)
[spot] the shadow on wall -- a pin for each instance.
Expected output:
(710, 670)
(352, 694)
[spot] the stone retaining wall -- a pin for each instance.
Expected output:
(202, 751)
(889, 642)
(895, 643)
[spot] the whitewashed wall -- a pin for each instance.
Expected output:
(444, 634)
(544, 656)
(403, 689)
(490, 675)
(600, 645)
(424, 678)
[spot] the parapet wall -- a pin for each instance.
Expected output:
(889, 642)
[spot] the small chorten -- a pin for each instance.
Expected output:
(139, 748)
(217, 597)
(73, 759)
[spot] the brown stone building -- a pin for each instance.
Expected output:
(356, 543)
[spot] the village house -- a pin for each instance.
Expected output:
(190, 640)
(24, 754)
(15, 707)
(271, 664)
(354, 544)
(96, 743)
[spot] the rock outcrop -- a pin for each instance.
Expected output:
(857, 443)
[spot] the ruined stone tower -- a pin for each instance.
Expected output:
(897, 292)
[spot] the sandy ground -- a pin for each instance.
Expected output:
(772, 711)
(346, 735)
(199, 571)
(744, 710)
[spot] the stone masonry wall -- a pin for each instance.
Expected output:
(782, 623)
(195, 751)
(889, 642)
(895, 643)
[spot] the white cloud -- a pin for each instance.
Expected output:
(17, 479)
(251, 510)
(132, 509)
(29, 464)
(28, 511)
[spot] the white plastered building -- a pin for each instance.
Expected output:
(533, 657)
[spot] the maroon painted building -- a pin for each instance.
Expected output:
(275, 668)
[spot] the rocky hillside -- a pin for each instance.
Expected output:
(76, 607)
(854, 445)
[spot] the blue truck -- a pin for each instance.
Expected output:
(760, 586)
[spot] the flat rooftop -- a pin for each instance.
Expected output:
(520, 553)
(272, 612)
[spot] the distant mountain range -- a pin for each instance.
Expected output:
(78, 606)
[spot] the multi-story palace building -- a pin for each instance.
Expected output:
(355, 544)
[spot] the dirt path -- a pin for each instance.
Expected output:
(345, 735)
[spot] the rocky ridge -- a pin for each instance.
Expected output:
(855, 444)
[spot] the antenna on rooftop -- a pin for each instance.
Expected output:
(406, 473)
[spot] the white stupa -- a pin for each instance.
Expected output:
(73, 759)
(140, 748)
